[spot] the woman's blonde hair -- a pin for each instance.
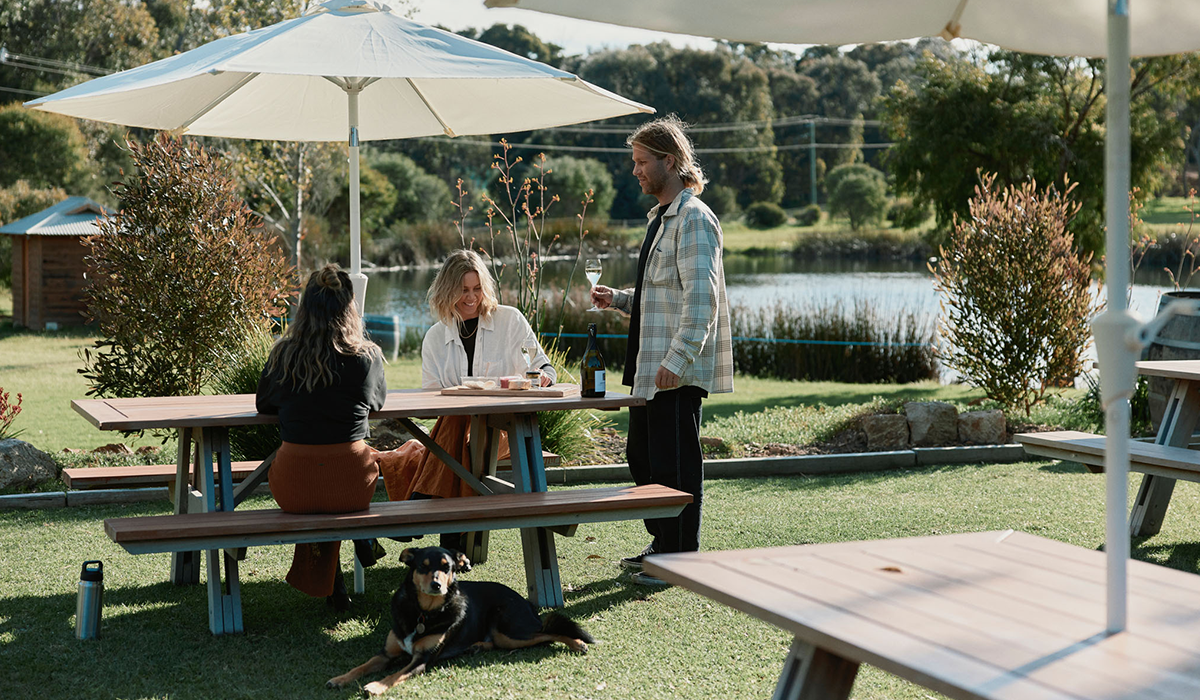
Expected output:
(327, 322)
(446, 289)
(665, 137)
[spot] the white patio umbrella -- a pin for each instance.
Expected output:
(347, 70)
(1098, 28)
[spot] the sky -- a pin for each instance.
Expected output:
(574, 35)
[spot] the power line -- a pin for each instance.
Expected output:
(794, 120)
(19, 91)
(51, 65)
(603, 149)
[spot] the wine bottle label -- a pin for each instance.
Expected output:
(599, 381)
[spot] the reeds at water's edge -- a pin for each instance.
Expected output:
(849, 341)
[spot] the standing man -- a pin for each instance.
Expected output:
(680, 348)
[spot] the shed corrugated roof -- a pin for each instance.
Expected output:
(74, 216)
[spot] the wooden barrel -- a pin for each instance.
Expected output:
(1178, 340)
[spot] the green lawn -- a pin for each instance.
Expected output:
(43, 367)
(1166, 211)
(655, 644)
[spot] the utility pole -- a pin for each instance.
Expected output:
(812, 161)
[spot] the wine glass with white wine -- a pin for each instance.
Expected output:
(592, 269)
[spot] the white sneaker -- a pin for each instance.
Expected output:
(646, 579)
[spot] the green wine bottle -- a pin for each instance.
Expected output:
(592, 376)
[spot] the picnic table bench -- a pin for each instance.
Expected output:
(83, 478)
(1162, 462)
(252, 528)
(978, 616)
(204, 470)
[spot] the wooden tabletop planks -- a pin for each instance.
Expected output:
(982, 615)
(238, 409)
(1172, 369)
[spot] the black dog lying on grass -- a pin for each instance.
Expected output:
(435, 617)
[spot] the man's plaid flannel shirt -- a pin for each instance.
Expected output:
(685, 313)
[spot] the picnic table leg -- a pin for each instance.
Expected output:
(224, 593)
(1154, 495)
(810, 673)
(484, 448)
(185, 566)
(529, 475)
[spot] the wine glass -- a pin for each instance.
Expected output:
(529, 351)
(592, 269)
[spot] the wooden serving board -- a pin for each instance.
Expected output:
(553, 391)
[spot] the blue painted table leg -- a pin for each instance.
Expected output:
(529, 475)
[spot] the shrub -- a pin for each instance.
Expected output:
(420, 197)
(809, 215)
(414, 243)
(841, 172)
(47, 150)
(722, 199)
(763, 215)
(566, 433)
(1016, 297)
(573, 177)
(861, 198)
(241, 366)
(904, 214)
(180, 272)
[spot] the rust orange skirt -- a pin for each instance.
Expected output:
(412, 468)
(322, 479)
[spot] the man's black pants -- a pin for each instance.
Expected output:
(664, 448)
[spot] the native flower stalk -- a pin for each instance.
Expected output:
(8, 413)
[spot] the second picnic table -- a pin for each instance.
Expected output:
(204, 481)
(1162, 462)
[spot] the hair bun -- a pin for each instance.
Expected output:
(329, 279)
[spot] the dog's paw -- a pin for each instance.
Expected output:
(375, 688)
(334, 683)
(578, 645)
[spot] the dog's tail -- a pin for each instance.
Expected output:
(556, 623)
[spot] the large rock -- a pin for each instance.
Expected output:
(982, 427)
(22, 464)
(887, 431)
(931, 423)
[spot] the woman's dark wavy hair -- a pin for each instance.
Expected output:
(327, 322)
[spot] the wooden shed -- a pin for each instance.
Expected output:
(47, 263)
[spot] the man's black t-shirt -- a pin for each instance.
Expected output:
(635, 319)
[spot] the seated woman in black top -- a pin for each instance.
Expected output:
(322, 379)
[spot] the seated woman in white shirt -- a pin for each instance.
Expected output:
(474, 336)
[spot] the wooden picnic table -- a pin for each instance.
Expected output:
(204, 482)
(979, 616)
(1162, 462)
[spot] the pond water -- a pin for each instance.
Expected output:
(753, 282)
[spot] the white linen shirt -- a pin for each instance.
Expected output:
(498, 344)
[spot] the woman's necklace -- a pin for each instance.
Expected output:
(462, 326)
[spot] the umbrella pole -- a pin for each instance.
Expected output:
(1116, 329)
(357, 278)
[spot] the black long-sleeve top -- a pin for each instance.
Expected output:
(330, 414)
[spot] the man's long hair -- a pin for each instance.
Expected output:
(666, 136)
(326, 323)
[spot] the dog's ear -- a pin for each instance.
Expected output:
(407, 556)
(461, 563)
